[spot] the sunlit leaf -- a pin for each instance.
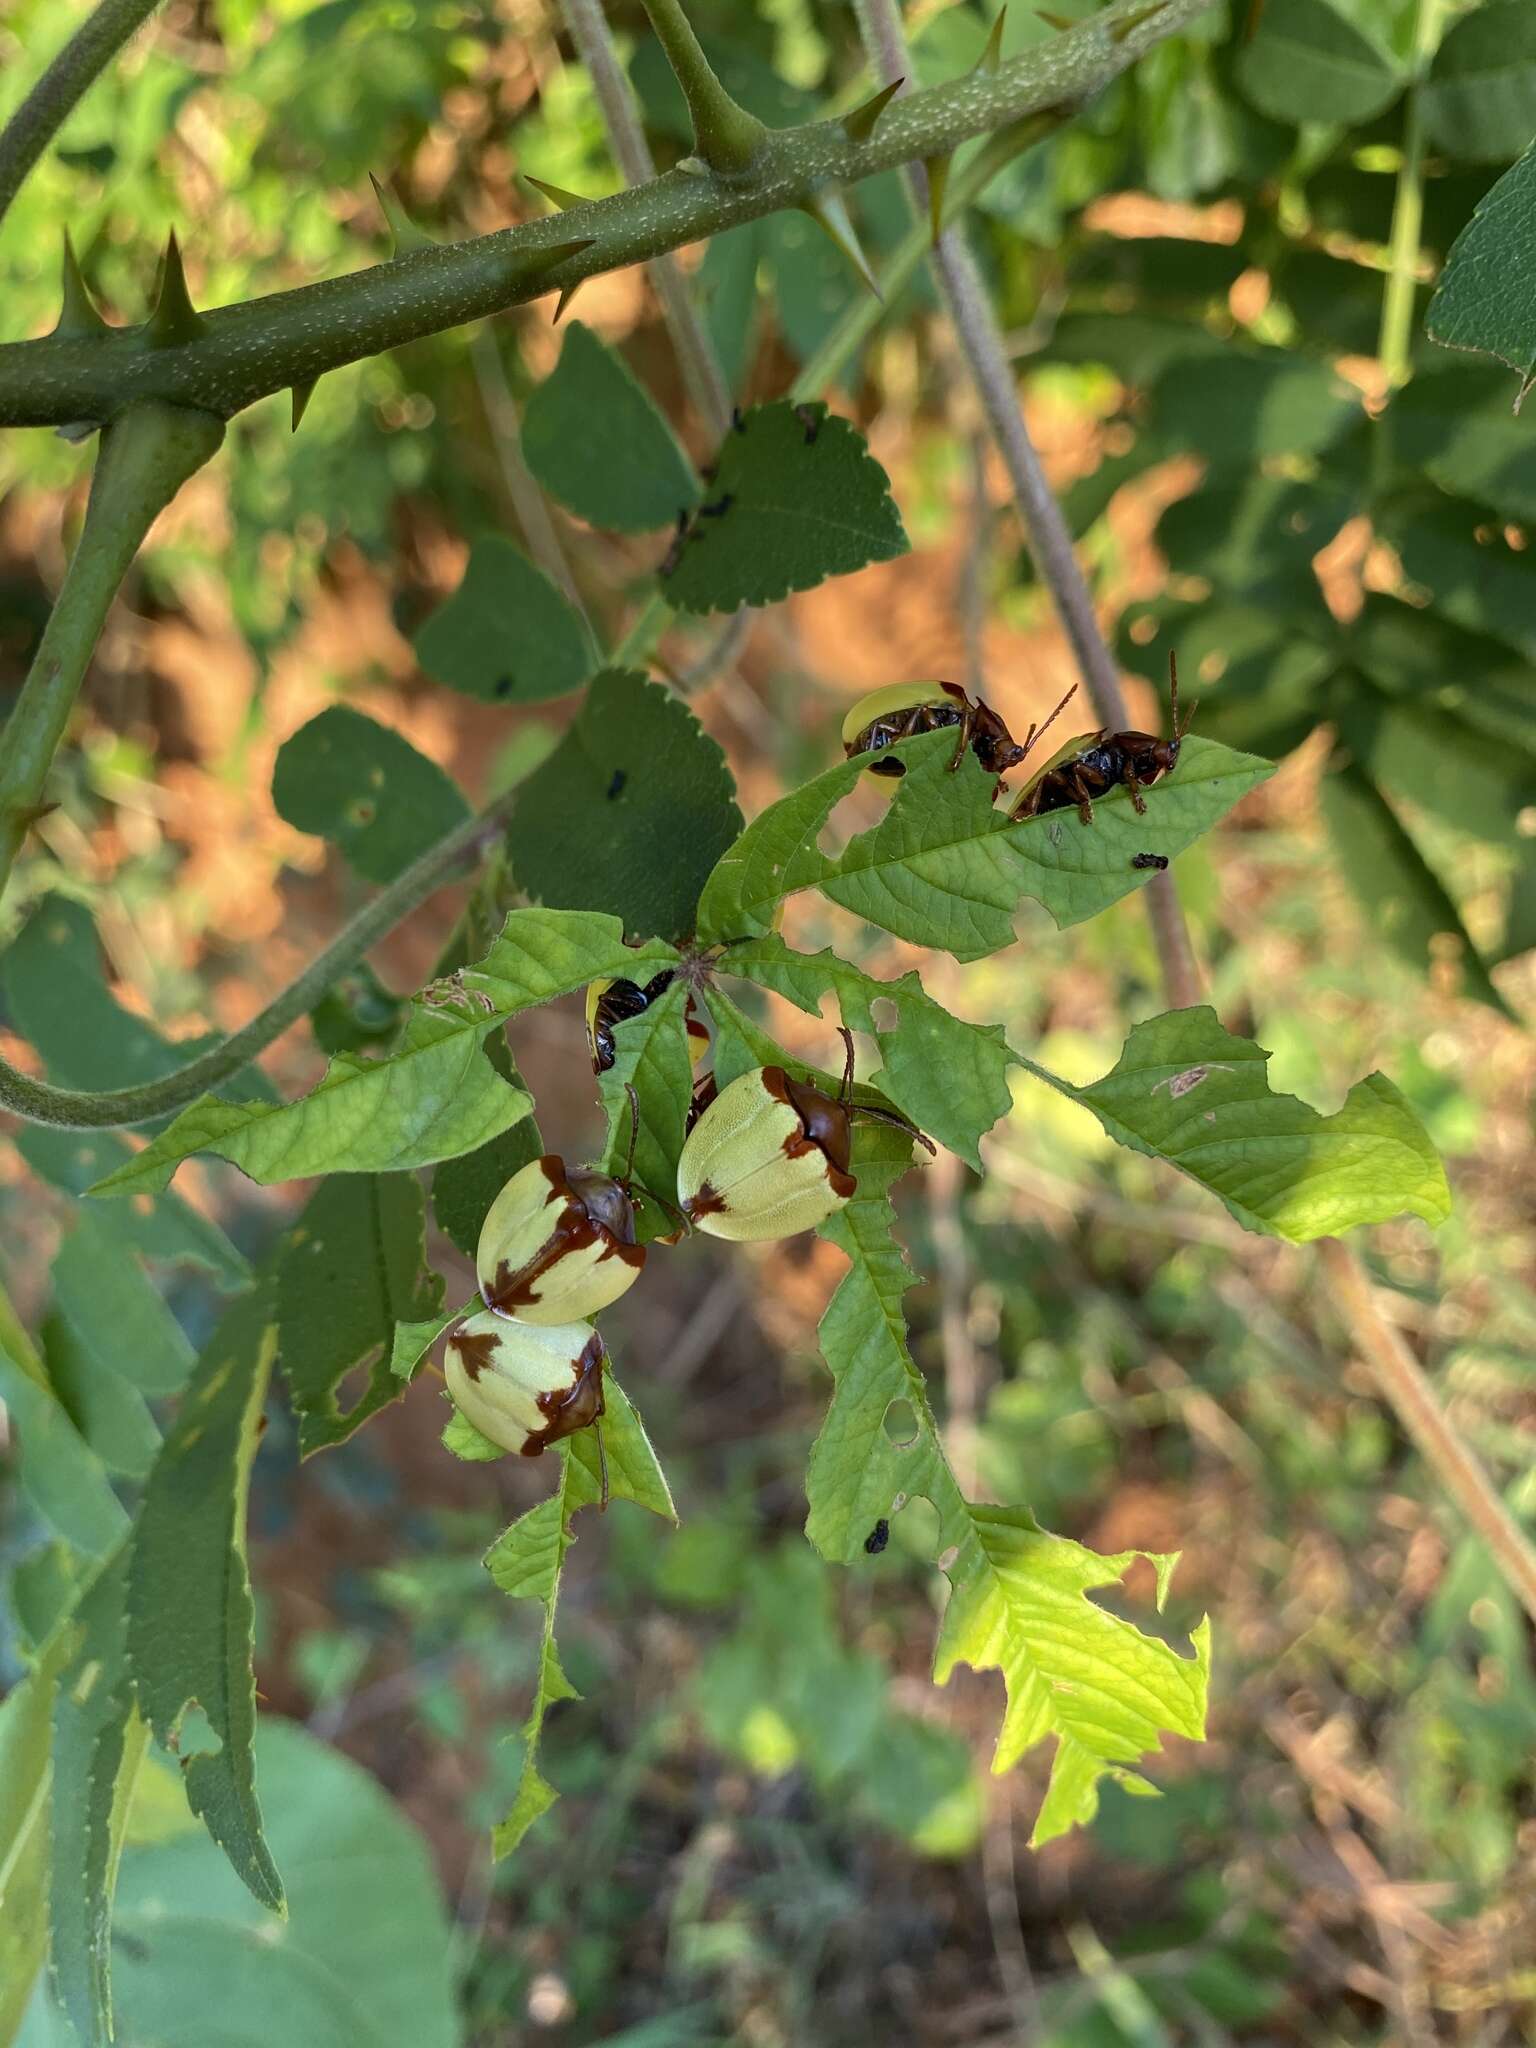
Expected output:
(366, 788)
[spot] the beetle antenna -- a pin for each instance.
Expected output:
(1173, 692)
(900, 1123)
(846, 1096)
(602, 1467)
(1037, 732)
(634, 1129)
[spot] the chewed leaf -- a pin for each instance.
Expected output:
(795, 497)
(1187, 1091)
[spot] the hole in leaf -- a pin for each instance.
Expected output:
(360, 811)
(901, 1423)
(884, 1014)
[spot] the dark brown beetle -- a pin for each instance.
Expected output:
(1095, 763)
(902, 710)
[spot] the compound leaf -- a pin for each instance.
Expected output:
(596, 440)
(795, 497)
(364, 787)
(506, 635)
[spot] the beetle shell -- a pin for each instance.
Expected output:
(525, 1387)
(610, 1003)
(767, 1158)
(900, 710)
(557, 1245)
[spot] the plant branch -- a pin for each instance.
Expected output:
(66, 81)
(1395, 344)
(725, 135)
(147, 454)
(118, 1108)
(695, 352)
(1412, 1400)
(981, 342)
(243, 353)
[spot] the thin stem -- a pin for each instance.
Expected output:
(245, 352)
(1412, 1400)
(695, 352)
(522, 488)
(68, 78)
(121, 1107)
(146, 456)
(1395, 344)
(727, 137)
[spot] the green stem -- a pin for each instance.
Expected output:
(727, 137)
(245, 352)
(147, 454)
(53, 99)
(1396, 339)
(74, 1110)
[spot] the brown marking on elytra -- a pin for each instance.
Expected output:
(574, 1407)
(708, 1201)
(594, 1210)
(477, 1350)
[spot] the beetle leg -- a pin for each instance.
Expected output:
(967, 727)
(1137, 798)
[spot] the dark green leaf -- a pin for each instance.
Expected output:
(189, 1595)
(727, 291)
(366, 789)
(1471, 570)
(811, 283)
(1243, 406)
(60, 1474)
(1258, 530)
(1473, 781)
(506, 635)
(1260, 673)
(1307, 62)
(163, 1228)
(1455, 425)
(1486, 297)
(1139, 347)
(594, 438)
(1479, 101)
(357, 1013)
(1416, 655)
(1337, 303)
(108, 1410)
(352, 1267)
(115, 1312)
(463, 1189)
(629, 813)
(796, 497)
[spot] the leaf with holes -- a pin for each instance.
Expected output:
(364, 787)
(1486, 298)
(352, 1269)
(507, 635)
(190, 1614)
(795, 497)
(596, 441)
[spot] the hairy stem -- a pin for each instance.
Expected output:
(68, 78)
(1395, 344)
(147, 454)
(118, 1108)
(242, 353)
(725, 135)
(1412, 1400)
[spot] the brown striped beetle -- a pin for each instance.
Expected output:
(1095, 763)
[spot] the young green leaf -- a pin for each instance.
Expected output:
(60, 1474)
(1307, 62)
(1018, 1595)
(412, 1341)
(597, 442)
(1479, 101)
(364, 787)
(465, 1441)
(189, 1593)
(506, 635)
(796, 497)
(351, 1271)
(436, 1097)
(1453, 424)
(541, 954)
(1186, 1091)
(163, 1228)
(945, 868)
(114, 1311)
(950, 1077)
(630, 812)
(527, 1561)
(1486, 298)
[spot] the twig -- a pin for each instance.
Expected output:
(66, 81)
(1412, 1400)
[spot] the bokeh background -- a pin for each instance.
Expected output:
(773, 1829)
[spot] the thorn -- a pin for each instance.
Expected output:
(1124, 28)
(542, 260)
(405, 236)
(1060, 22)
(302, 394)
(557, 194)
(992, 55)
(829, 212)
(567, 293)
(860, 124)
(937, 168)
(175, 319)
(77, 315)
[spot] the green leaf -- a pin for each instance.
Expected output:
(1479, 101)
(1262, 671)
(542, 954)
(527, 1561)
(1440, 759)
(630, 812)
(357, 1013)
(1462, 559)
(1186, 1091)
(1454, 424)
(651, 1055)
(189, 1594)
(366, 789)
(1254, 531)
(944, 868)
(507, 635)
(1404, 899)
(353, 1267)
(1307, 62)
(597, 442)
(98, 1745)
(796, 497)
(162, 1228)
(1247, 405)
(114, 1312)
(60, 1474)
(728, 298)
(461, 1437)
(412, 1341)
(463, 1189)
(436, 1097)
(1486, 297)
(1017, 1597)
(108, 1410)
(948, 1076)
(25, 1745)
